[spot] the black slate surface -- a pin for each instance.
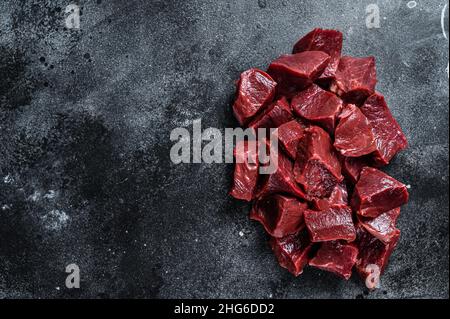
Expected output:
(85, 118)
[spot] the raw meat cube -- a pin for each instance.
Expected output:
(356, 79)
(353, 136)
(337, 258)
(280, 215)
(256, 90)
(339, 196)
(317, 167)
(388, 134)
(275, 115)
(289, 135)
(383, 227)
(328, 41)
(292, 252)
(377, 193)
(282, 181)
(246, 171)
(297, 71)
(318, 106)
(373, 254)
(352, 167)
(335, 223)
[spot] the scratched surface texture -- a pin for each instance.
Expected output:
(85, 118)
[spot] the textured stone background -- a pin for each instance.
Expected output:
(85, 118)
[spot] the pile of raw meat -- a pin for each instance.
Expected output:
(327, 205)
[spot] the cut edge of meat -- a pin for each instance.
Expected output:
(337, 258)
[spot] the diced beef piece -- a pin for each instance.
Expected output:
(352, 167)
(339, 196)
(389, 136)
(373, 254)
(337, 258)
(318, 106)
(325, 113)
(377, 193)
(280, 215)
(292, 252)
(335, 223)
(353, 136)
(289, 135)
(256, 89)
(296, 72)
(328, 41)
(282, 181)
(275, 115)
(356, 79)
(246, 171)
(317, 167)
(382, 227)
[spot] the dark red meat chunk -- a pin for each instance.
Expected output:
(373, 255)
(337, 258)
(352, 167)
(335, 223)
(382, 227)
(339, 196)
(289, 135)
(389, 136)
(280, 215)
(377, 193)
(292, 252)
(353, 136)
(275, 115)
(319, 194)
(296, 72)
(246, 171)
(282, 181)
(256, 89)
(317, 167)
(318, 106)
(356, 79)
(328, 41)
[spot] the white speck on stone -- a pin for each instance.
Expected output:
(50, 195)
(5, 207)
(35, 197)
(241, 234)
(57, 288)
(408, 186)
(55, 220)
(8, 179)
